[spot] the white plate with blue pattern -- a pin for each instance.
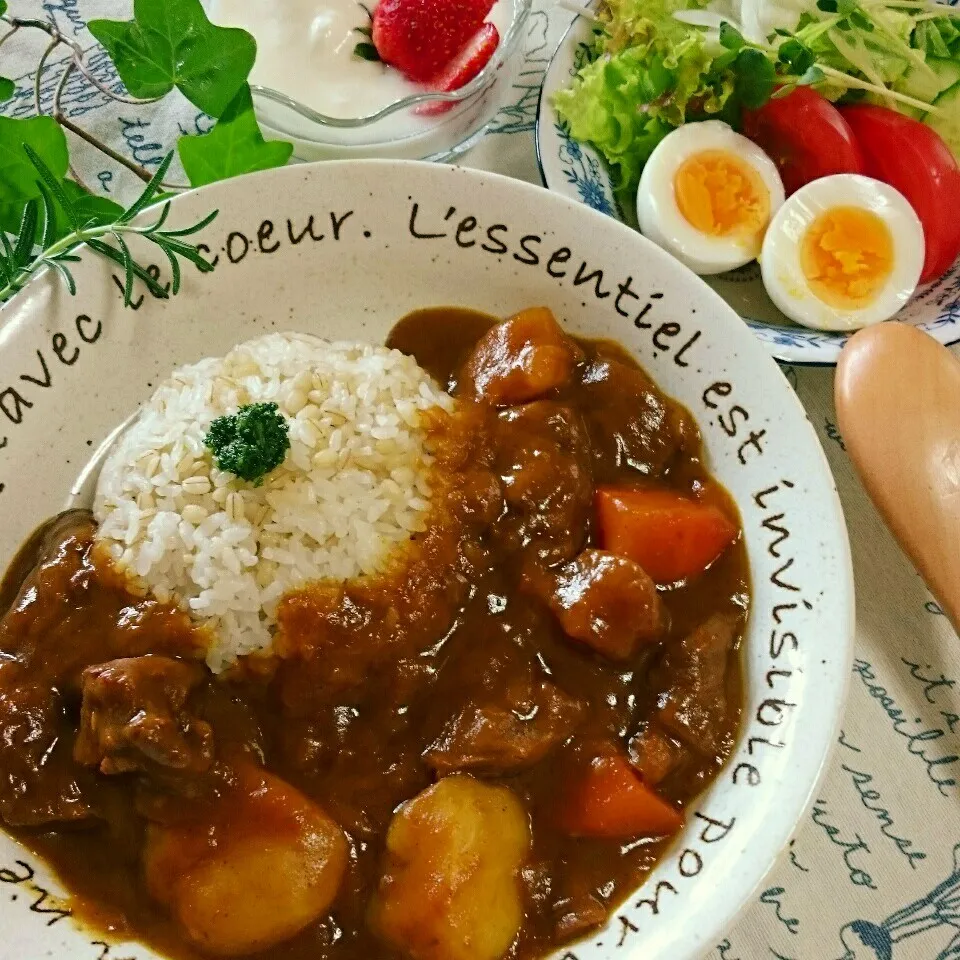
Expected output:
(578, 171)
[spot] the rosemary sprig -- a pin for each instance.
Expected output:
(35, 246)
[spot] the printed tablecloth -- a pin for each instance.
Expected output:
(874, 871)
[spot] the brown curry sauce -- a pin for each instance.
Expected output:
(347, 726)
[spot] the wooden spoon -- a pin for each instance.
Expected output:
(897, 394)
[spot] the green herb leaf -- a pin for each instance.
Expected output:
(783, 91)
(234, 146)
(3, 7)
(251, 442)
(92, 210)
(88, 209)
(29, 229)
(366, 51)
(150, 191)
(723, 61)
(171, 43)
(859, 19)
(730, 37)
(70, 217)
(827, 6)
(18, 176)
(811, 76)
(797, 55)
(7, 89)
(755, 78)
(129, 266)
(366, 31)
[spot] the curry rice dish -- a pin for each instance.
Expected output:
(415, 651)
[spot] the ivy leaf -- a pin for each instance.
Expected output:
(234, 146)
(18, 176)
(171, 43)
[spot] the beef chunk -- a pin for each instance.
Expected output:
(602, 600)
(39, 783)
(478, 499)
(630, 423)
(519, 360)
(654, 754)
(577, 915)
(134, 717)
(693, 675)
(543, 458)
(501, 738)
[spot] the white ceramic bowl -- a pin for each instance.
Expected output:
(343, 250)
(577, 171)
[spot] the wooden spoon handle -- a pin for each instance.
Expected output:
(897, 394)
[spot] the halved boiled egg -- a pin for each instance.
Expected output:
(707, 195)
(843, 252)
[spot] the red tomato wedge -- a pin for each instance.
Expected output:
(805, 136)
(609, 799)
(913, 159)
(671, 537)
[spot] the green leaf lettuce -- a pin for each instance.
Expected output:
(647, 74)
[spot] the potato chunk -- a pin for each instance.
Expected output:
(450, 888)
(263, 865)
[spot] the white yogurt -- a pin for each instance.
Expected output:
(305, 50)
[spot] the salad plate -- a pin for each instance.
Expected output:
(578, 171)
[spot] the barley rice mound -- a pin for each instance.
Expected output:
(353, 489)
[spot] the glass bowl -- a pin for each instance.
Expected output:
(413, 127)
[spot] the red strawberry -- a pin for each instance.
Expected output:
(459, 72)
(421, 37)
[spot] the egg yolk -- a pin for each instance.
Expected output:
(846, 255)
(721, 195)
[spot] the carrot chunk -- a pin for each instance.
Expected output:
(672, 537)
(608, 799)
